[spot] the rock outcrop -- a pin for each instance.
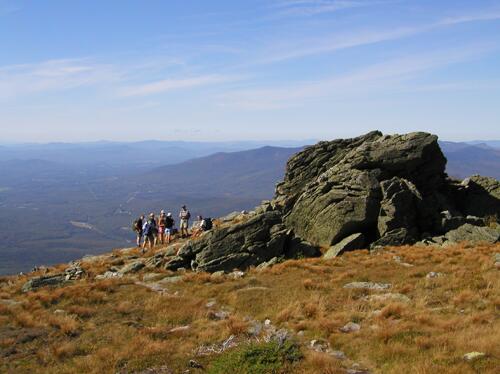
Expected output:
(371, 191)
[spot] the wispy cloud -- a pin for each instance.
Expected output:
(315, 7)
(339, 41)
(375, 78)
(52, 75)
(166, 85)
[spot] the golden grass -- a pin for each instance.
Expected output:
(106, 326)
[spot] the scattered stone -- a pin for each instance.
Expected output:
(496, 258)
(195, 365)
(150, 277)
(473, 356)
(218, 274)
(43, 281)
(206, 350)
(170, 280)
(60, 312)
(352, 242)
(9, 302)
(368, 285)
(339, 355)
(236, 274)
(473, 234)
(319, 345)
(154, 370)
(255, 329)
(434, 274)
(132, 267)
(399, 261)
(350, 327)
(211, 304)
(181, 270)
(74, 271)
(179, 329)
(268, 264)
(109, 275)
(218, 316)
(389, 296)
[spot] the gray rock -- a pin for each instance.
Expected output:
(473, 234)
(268, 264)
(43, 281)
(434, 274)
(132, 267)
(480, 196)
(368, 285)
(389, 297)
(218, 316)
(354, 241)
(109, 275)
(297, 248)
(350, 327)
(399, 206)
(236, 247)
(473, 356)
(395, 237)
(150, 277)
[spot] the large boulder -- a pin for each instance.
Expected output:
(480, 196)
(371, 176)
(249, 243)
(44, 281)
(473, 234)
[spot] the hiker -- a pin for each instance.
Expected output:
(196, 229)
(201, 225)
(169, 227)
(184, 216)
(150, 231)
(137, 227)
(161, 227)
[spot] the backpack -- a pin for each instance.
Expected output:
(207, 224)
(185, 214)
(169, 222)
(150, 228)
(136, 226)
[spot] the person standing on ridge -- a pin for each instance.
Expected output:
(150, 231)
(169, 226)
(184, 216)
(137, 227)
(161, 227)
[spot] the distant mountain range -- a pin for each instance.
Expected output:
(60, 202)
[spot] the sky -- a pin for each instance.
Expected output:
(130, 70)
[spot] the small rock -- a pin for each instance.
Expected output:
(150, 277)
(352, 242)
(218, 274)
(368, 285)
(181, 270)
(9, 302)
(268, 264)
(60, 312)
(237, 274)
(254, 329)
(433, 274)
(267, 322)
(218, 316)
(319, 345)
(132, 267)
(109, 275)
(179, 329)
(174, 279)
(194, 364)
(388, 296)
(350, 327)
(37, 282)
(211, 304)
(472, 356)
(339, 355)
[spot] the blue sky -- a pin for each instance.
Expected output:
(230, 70)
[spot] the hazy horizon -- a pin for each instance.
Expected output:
(256, 70)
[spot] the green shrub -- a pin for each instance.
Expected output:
(254, 358)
